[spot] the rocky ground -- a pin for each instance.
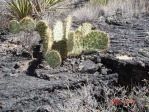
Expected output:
(29, 85)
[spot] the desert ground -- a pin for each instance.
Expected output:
(91, 82)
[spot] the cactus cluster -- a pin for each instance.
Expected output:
(27, 24)
(86, 40)
(61, 42)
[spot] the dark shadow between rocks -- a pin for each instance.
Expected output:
(33, 65)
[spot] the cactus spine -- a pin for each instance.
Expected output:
(27, 24)
(14, 26)
(53, 58)
(96, 41)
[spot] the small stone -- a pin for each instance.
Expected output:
(96, 74)
(109, 71)
(88, 66)
(104, 71)
(73, 62)
(16, 66)
(98, 59)
(100, 65)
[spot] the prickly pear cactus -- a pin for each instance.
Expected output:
(61, 47)
(85, 28)
(47, 41)
(96, 41)
(67, 26)
(41, 28)
(53, 58)
(14, 26)
(27, 24)
(75, 43)
(46, 36)
(58, 31)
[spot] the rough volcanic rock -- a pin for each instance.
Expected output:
(132, 71)
(88, 66)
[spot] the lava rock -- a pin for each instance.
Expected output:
(16, 66)
(104, 71)
(98, 59)
(88, 66)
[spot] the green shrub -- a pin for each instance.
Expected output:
(22, 8)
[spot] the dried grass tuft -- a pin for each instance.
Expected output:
(129, 8)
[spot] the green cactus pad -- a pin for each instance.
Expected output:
(67, 26)
(14, 26)
(96, 41)
(27, 24)
(85, 28)
(61, 47)
(75, 43)
(53, 58)
(47, 41)
(41, 28)
(46, 35)
(58, 31)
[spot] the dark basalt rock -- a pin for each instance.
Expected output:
(88, 66)
(130, 72)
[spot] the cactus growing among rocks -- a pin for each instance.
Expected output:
(61, 43)
(14, 26)
(75, 43)
(96, 41)
(27, 24)
(53, 58)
